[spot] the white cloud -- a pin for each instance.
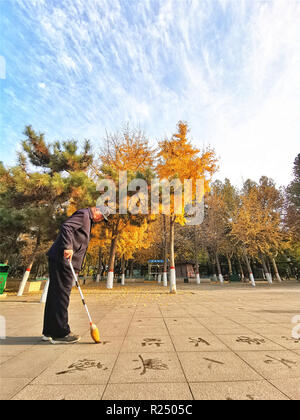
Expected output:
(230, 68)
(68, 62)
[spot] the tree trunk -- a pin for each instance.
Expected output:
(45, 292)
(213, 266)
(251, 277)
(98, 278)
(112, 257)
(267, 273)
(29, 267)
(219, 269)
(241, 271)
(229, 265)
(268, 266)
(111, 263)
(37, 271)
(131, 269)
(172, 256)
(197, 274)
(277, 275)
(165, 275)
(123, 267)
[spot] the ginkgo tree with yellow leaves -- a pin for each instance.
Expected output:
(126, 152)
(257, 228)
(133, 239)
(179, 160)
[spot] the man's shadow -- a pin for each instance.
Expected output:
(31, 341)
(21, 341)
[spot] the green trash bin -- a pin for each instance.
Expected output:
(4, 268)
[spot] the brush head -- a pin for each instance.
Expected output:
(95, 333)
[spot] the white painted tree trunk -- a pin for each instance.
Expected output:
(172, 256)
(98, 278)
(123, 279)
(251, 277)
(24, 281)
(252, 280)
(110, 280)
(159, 278)
(277, 275)
(269, 278)
(265, 268)
(221, 279)
(45, 292)
(165, 279)
(198, 280)
(172, 280)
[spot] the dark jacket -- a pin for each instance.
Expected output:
(74, 234)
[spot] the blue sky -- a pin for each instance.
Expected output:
(76, 68)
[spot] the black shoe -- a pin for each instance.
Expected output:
(68, 339)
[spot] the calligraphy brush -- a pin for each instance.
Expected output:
(94, 330)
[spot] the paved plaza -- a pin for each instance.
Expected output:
(206, 342)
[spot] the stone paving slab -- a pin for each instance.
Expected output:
(223, 329)
(255, 390)
(150, 391)
(30, 363)
(147, 367)
(205, 342)
(109, 345)
(12, 386)
(148, 343)
(250, 342)
(274, 329)
(274, 364)
(285, 341)
(215, 366)
(290, 387)
(198, 343)
(78, 367)
(189, 329)
(61, 392)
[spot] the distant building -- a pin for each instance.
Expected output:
(185, 270)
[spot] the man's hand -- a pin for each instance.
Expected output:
(68, 253)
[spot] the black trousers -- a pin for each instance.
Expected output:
(56, 322)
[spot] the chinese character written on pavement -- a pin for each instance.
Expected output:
(151, 364)
(82, 365)
(197, 341)
(285, 362)
(249, 340)
(294, 340)
(211, 362)
(149, 341)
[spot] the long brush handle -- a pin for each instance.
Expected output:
(80, 291)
